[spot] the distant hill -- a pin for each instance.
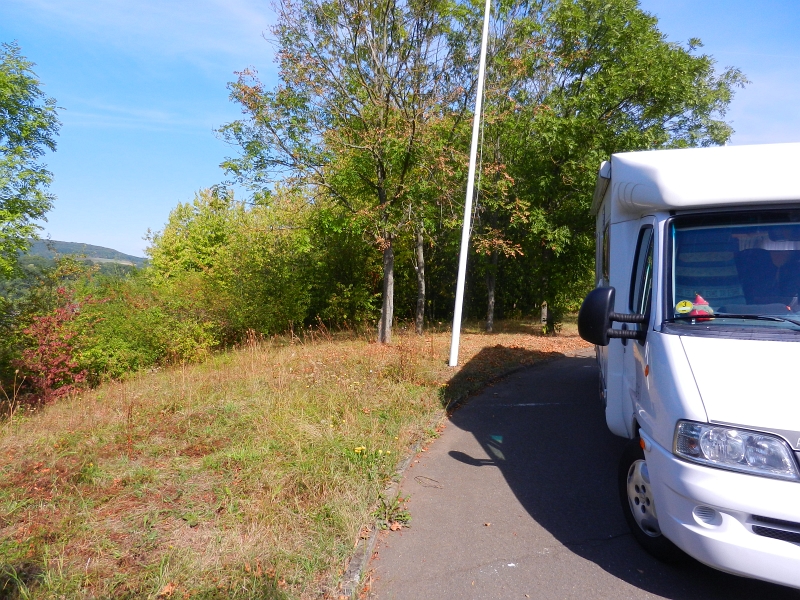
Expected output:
(98, 254)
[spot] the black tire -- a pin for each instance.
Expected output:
(648, 534)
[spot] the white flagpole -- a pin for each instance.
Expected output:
(462, 257)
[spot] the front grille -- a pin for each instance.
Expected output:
(789, 530)
(777, 534)
(778, 522)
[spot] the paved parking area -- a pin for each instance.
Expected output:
(518, 499)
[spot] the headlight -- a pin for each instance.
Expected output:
(735, 449)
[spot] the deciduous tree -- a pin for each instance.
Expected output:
(28, 126)
(361, 83)
(594, 77)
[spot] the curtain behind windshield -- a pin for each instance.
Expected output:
(731, 268)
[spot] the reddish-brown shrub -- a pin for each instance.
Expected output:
(48, 361)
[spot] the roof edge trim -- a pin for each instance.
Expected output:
(600, 188)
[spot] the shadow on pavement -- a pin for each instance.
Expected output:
(549, 439)
(489, 364)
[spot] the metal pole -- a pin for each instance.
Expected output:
(462, 257)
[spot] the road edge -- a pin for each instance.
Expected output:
(359, 559)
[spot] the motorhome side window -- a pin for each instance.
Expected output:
(642, 276)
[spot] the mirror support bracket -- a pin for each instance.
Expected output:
(596, 317)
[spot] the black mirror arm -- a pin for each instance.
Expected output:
(626, 318)
(626, 334)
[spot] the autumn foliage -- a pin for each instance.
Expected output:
(48, 362)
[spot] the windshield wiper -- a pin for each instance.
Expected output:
(709, 316)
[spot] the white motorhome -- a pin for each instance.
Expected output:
(696, 321)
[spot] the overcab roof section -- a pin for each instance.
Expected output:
(699, 178)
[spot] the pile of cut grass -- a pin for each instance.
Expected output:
(248, 476)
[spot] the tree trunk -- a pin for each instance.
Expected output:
(387, 305)
(491, 280)
(547, 255)
(420, 268)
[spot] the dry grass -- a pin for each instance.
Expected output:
(237, 478)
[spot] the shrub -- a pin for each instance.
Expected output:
(262, 276)
(265, 267)
(48, 361)
(138, 326)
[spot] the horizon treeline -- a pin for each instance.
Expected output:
(355, 164)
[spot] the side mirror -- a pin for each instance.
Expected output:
(594, 318)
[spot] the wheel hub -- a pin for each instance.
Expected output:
(640, 499)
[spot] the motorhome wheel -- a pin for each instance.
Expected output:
(639, 506)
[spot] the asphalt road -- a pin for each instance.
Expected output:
(518, 499)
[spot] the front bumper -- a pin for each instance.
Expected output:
(726, 540)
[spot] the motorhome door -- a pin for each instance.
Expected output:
(640, 298)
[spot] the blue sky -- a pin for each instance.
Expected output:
(761, 38)
(143, 83)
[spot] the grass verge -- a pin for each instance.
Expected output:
(248, 476)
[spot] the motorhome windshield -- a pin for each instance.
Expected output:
(736, 268)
